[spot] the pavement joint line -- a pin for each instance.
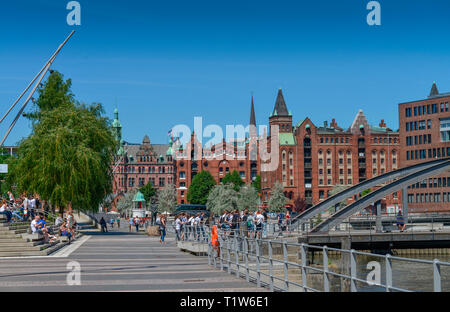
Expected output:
(66, 251)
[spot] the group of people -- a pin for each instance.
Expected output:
(20, 209)
(190, 224)
(248, 223)
(65, 227)
(111, 221)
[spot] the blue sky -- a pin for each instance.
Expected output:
(168, 61)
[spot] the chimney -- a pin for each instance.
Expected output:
(333, 123)
(382, 124)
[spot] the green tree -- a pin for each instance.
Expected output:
(67, 158)
(126, 201)
(167, 198)
(248, 198)
(233, 178)
(148, 191)
(53, 94)
(200, 187)
(5, 158)
(277, 200)
(221, 198)
(257, 183)
(365, 192)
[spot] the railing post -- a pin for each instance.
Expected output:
(388, 273)
(236, 254)
(326, 278)
(437, 276)
(304, 264)
(270, 266)
(247, 272)
(220, 250)
(353, 271)
(258, 259)
(229, 255)
(286, 266)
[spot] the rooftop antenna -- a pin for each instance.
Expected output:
(41, 75)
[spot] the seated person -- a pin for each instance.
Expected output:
(36, 225)
(65, 231)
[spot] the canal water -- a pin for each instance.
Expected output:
(405, 274)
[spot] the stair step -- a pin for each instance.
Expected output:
(23, 248)
(22, 253)
(17, 244)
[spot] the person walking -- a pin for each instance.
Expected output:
(118, 222)
(130, 223)
(111, 222)
(136, 224)
(102, 224)
(162, 230)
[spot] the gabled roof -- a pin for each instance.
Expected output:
(434, 90)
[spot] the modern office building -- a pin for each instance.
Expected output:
(424, 136)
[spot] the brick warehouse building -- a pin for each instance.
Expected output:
(316, 159)
(219, 159)
(425, 135)
(137, 164)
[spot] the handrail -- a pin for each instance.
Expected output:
(259, 262)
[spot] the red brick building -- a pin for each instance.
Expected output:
(424, 136)
(219, 159)
(315, 159)
(137, 164)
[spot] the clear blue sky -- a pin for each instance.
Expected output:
(168, 61)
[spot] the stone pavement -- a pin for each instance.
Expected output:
(119, 262)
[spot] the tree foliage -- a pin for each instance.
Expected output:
(257, 183)
(248, 198)
(126, 201)
(200, 187)
(68, 155)
(167, 198)
(148, 191)
(300, 205)
(221, 198)
(277, 201)
(233, 178)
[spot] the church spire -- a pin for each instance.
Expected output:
(252, 114)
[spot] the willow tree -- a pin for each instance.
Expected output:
(248, 198)
(277, 200)
(221, 198)
(67, 158)
(167, 198)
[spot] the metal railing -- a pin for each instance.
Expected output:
(289, 266)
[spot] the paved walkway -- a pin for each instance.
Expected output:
(119, 262)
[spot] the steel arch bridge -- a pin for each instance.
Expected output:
(400, 178)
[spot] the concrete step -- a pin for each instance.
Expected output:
(17, 244)
(23, 248)
(22, 253)
(9, 235)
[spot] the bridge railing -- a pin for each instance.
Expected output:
(288, 266)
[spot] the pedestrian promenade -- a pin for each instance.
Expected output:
(119, 262)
